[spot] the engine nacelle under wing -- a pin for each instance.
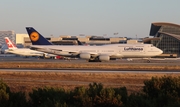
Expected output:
(104, 58)
(85, 56)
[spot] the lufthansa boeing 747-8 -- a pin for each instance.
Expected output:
(93, 53)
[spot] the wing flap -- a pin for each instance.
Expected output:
(55, 51)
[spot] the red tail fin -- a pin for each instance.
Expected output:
(10, 44)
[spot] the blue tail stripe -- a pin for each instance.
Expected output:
(41, 40)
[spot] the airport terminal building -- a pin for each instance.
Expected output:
(9, 34)
(166, 36)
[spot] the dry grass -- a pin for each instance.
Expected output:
(26, 81)
(61, 65)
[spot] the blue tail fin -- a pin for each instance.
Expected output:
(36, 38)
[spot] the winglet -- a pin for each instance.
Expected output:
(9, 43)
(36, 38)
(79, 43)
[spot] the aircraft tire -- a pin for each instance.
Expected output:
(148, 61)
(94, 61)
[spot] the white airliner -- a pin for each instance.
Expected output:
(93, 53)
(22, 51)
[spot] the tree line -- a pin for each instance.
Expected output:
(157, 92)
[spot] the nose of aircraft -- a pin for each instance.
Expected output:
(160, 51)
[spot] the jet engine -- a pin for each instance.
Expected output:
(85, 56)
(104, 58)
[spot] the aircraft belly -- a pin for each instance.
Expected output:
(134, 54)
(116, 56)
(137, 56)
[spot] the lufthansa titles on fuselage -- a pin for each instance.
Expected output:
(132, 49)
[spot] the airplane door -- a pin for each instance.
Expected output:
(120, 51)
(143, 51)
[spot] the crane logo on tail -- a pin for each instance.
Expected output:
(34, 36)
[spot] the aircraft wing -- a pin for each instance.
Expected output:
(73, 52)
(64, 52)
(55, 51)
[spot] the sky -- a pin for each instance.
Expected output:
(128, 18)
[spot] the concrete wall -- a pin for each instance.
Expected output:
(132, 41)
(116, 40)
(20, 38)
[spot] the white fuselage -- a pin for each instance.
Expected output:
(111, 50)
(24, 52)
